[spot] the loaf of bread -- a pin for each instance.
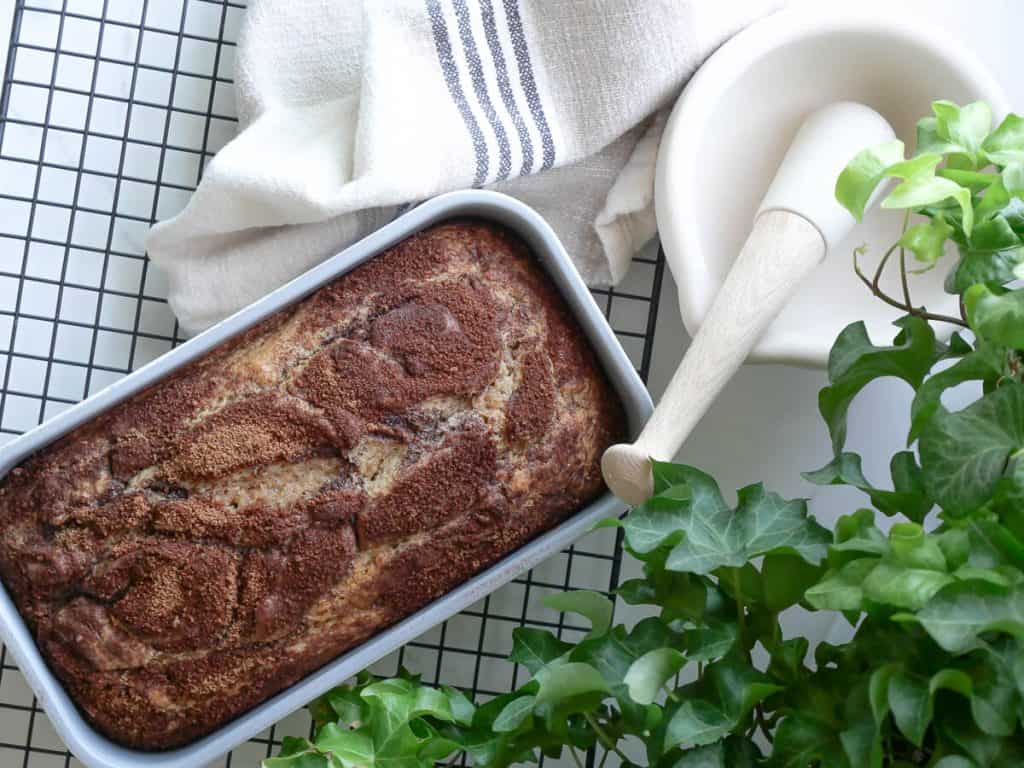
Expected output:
(231, 529)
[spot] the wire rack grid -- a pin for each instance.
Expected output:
(108, 113)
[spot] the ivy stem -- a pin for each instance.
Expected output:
(875, 288)
(606, 741)
(741, 616)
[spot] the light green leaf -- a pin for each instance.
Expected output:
(461, 707)
(929, 141)
(648, 674)
(908, 496)
(964, 454)
(515, 713)
(854, 362)
(911, 588)
(960, 613)
(862, 175)
(911, 705)
(575, 685)
(593, 606)
(1013, 177)
(842, 590)
(927, 240)
(353, 748)
(536, 648)
(1005, 145)
(309, 759)
(966, 127)
(920, 187)
(997, 317)
(763, 522)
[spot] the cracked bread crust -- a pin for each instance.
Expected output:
(222, 534)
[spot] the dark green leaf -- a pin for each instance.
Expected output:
(803, 740)
(763, 522)
(655, 523)
(854, 362)
(785, 579)
(911, 705)
(733, 752)
(976, 366)
(908, 497)
(990, 268)
(536, 648)
(964, 454)
(709, 642)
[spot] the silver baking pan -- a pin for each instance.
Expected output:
(97, 751)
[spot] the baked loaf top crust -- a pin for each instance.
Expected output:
(217, 537)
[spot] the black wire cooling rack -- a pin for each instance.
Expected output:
(108, 113)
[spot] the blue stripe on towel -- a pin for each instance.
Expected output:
(504, 86)
(515, 29)
(476, 73)
(451, 77)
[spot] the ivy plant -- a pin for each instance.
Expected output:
(930, 575)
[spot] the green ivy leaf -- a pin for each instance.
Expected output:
(992, 268)
(1005, 145)
(733, 752)
(713, 706)
(927, 240)
(593, 606)
(842, 590)
(536, 648)
(762, 523)
(977, 365)
(864, 173)
(803, 740)
(515, 714)
(902, 587)
(995, 315)
(353, 748)
(1013, 178)
(964, 454)
(655, 523)
(785, 579)
(709, 642)
(854, 362)
(568, 688)
(648, 674)
(964, 127)
(878, 691)
(908, 497)
(911, 704)
(920, 187)
(960, 613)
(993, 235)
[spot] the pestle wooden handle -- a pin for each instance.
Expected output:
(781, 251)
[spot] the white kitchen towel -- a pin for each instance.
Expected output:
(350, 109)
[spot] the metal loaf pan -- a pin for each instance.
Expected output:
(97, 751)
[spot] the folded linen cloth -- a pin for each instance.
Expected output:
(350, 109)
